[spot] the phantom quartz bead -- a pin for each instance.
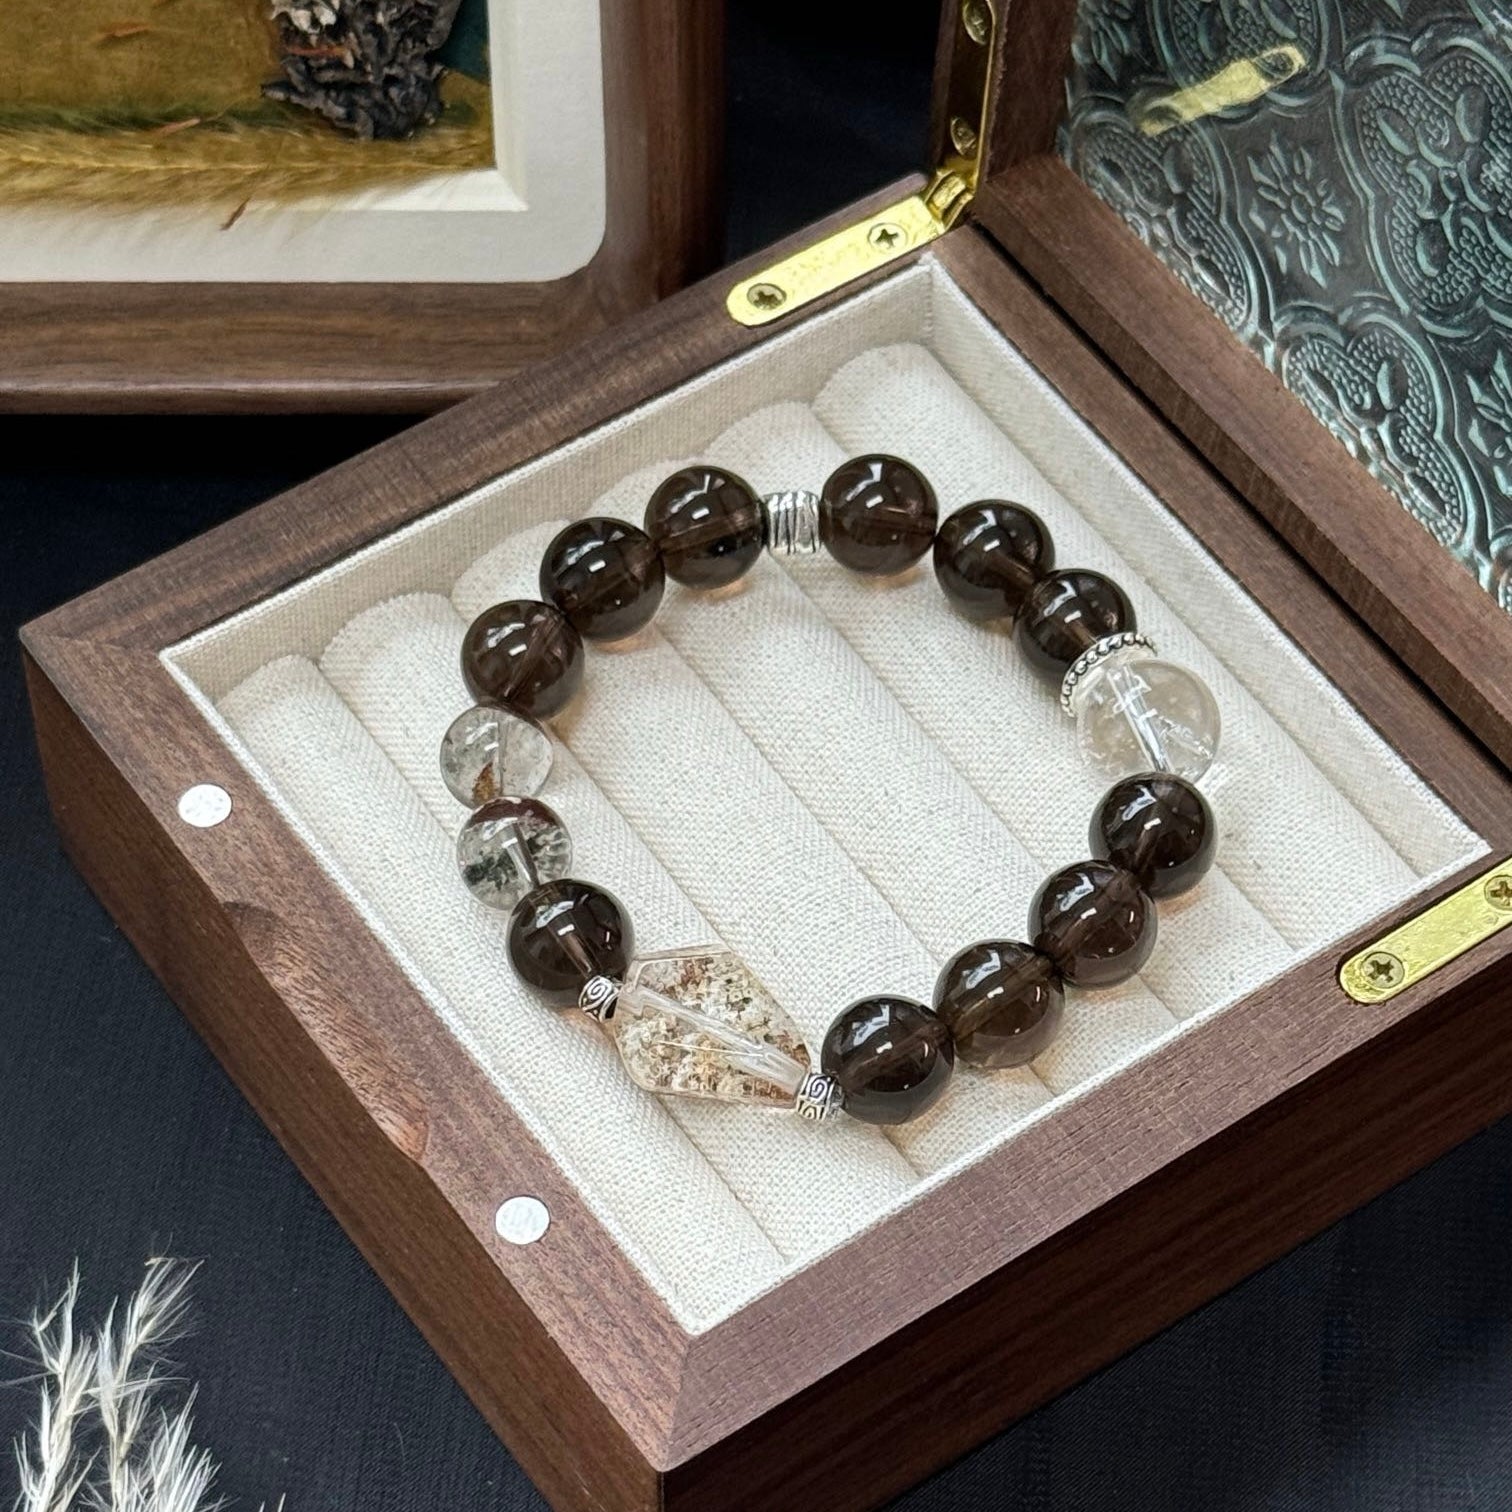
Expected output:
(1001, 1001)
(1136, 713)
(490, 753)
(524, 656)
(988, 556)
(1066, 613)
(708, 525)
(877, 515)
(510, 846)
(565, 932)
(891, 1058)
(1159, 827)
(699, 1023)
(606, 576)
(1095, 922)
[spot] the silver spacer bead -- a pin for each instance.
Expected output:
(818, 1097)
(792, 521)
(599, 997)
(1097, 653)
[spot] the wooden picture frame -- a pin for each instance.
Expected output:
(400, 348)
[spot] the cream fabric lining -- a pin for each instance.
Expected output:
(840, 779)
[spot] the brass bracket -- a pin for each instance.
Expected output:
(888, 235)
(1439, 934)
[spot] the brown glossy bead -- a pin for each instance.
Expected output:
(1067, 611)
(605, 576)
(1159, 827)
(709, 526)
(877, 515)
(1001, 1001)
(561, 933)
(1095, 923)
(891, 1056)
(523, 655)
(988, 556)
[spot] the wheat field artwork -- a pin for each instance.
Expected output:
(131, 104)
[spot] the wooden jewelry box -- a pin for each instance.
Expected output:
(602, 198)
(696, 1306)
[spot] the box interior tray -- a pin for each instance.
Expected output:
(841, 779)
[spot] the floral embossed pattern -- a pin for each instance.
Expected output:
(1348, 212)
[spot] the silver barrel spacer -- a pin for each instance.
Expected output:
(818, 1097)
(1095, 655)
(792, 523)
(599, 997)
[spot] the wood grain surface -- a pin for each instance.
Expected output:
(1118, 1211)
(402, 348)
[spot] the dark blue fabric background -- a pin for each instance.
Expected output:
(1371, 1369)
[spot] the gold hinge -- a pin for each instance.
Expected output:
(1439, 934)
(913, 222)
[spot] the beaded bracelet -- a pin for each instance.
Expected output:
(697, 1022)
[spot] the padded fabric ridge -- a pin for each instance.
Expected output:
(840, 778)
(398, 664)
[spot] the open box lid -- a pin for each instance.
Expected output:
(570, 177)
(1290, 225)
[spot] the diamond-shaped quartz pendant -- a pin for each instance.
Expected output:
(698, 1023)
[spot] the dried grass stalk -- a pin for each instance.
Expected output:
(228, 162)
(104, 1442)
(53, 1468)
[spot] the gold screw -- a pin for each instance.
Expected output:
(1382, 969)
(767, 296)
(1499, 892)
(976, 17)
(963, 135)
(885, 236)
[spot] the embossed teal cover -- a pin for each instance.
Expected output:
(1334, 178)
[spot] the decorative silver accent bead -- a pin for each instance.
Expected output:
(792, 520)
(1095, 654)
(818, 1097)
(598, 998)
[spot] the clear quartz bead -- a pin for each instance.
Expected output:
(698, 1023)
(1135, 713)
(508, 847)
(491, 753)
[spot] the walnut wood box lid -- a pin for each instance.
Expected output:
(361, 305)
(1245, 209)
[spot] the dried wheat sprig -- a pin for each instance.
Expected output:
(53, 1469)
(170, 1474)
(147, 1460)
(227, 161)
(126, 1362)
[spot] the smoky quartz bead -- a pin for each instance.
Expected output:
(562, 933)
(1066, 612)
(606, 576)
(988, 556)
(890, 1056)
(523, 655)
(1095, 922)
(1001, 1001)
(1160, 828)
(877, 515)
(708, 525)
